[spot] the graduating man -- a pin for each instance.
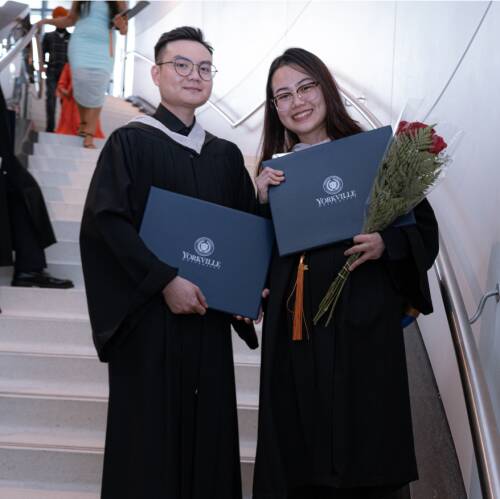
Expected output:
(172, 424)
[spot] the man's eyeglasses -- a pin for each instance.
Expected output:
(307, 93)
(184, 67)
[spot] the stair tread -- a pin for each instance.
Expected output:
(36, 315)
(74, 441)
(97, 392)
(60, 439)
(13, 490)
(44, 349)
(53, 390)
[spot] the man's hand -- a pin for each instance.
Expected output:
(183, 297)
(268, 176)
(370, 246)
(265, 294)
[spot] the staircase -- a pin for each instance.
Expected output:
(53, 389)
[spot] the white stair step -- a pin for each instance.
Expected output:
(29, 333)
(24, 490)
(66, 230)
(242, 352)
(65, 211)
(61, 439)
(247, 381)
(65, 140)
(64, 252)
(45, 454)
(76, 441)
(60, 151)
(69, 471)
(79, 370)
(50, 466)
(67, 418)
(64, 194)
(46, 302)
(60, 179)
(26, 332)
(63, 419)
(53, 390)
(54, 370)
(46, 163)
(72, 271)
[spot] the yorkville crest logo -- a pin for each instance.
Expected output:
(204, 246)
(333, 185)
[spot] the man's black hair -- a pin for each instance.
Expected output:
(182, 33)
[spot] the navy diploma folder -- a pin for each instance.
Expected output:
(326, 189)
(225, 252)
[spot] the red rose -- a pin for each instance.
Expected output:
(438, 144)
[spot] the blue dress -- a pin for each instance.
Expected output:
(90, 56)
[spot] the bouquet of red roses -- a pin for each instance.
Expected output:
(412, 166)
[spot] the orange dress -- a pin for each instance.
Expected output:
(69, 120)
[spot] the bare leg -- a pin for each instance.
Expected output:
(81, 127)
(88, 120)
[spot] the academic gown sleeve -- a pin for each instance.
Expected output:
(244, 200)
(121, 273)
(410, 252)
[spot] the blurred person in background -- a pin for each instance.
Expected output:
(55, 54)
(90, 54)
(69, 119)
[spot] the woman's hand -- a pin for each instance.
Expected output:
(121, 23)
(268, 176)
(370, 246)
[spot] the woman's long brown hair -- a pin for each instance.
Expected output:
(276, 138)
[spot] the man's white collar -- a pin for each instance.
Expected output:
(194, 140)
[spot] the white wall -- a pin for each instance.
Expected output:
(387, 52)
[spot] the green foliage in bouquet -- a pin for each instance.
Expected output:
(406, 174)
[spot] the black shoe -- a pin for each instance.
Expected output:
(40, 280)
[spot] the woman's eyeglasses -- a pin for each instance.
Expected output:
(307, 93)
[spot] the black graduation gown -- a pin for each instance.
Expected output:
(17, 181)
(334, 408)
(172, 428)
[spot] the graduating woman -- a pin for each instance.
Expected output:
(334, 419)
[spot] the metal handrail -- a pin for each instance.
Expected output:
(479, 408)
(366, 113)
(490, 294)
(17, 48)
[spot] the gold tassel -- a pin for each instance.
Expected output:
(298, 312)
